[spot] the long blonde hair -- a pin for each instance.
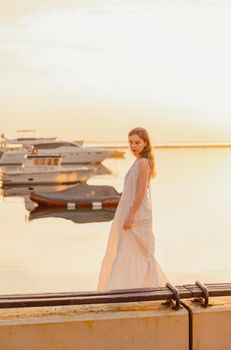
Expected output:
(148, 149)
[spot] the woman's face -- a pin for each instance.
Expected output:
(136, 144)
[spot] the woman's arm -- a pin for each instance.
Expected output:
(142, 181)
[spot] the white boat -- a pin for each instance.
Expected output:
(15, 149)
(25, 140)
(72, 153)
(45, 169)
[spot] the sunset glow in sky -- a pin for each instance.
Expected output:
(95, 69)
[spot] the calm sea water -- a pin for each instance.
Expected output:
(191, 198)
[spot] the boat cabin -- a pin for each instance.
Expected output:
(54, 145)
(47, 161)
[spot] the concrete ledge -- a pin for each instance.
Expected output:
(122, 326)
(211, 326)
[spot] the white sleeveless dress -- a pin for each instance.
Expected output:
(129, 261)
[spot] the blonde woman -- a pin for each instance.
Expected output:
(129, 261)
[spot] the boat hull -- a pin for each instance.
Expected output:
(16, 158)
(79, 196)
(104, 203)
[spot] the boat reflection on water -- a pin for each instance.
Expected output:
(79, 216)
(44, 170)
(78, 191)
(21, 191)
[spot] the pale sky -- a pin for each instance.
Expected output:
(95, 69)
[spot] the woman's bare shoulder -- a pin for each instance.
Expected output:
(144, 166)
(144, 162)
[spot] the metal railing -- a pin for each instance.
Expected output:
(170, 294)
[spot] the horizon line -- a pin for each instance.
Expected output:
(123, 144)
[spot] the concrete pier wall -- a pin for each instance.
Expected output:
(211, 326)
(122, 326)
(136, 326)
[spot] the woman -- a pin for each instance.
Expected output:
(129, 260)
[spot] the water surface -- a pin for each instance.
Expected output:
(191, 198)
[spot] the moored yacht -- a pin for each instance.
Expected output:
(72, 153)
(45, 169)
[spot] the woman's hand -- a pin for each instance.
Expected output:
(128, 222)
